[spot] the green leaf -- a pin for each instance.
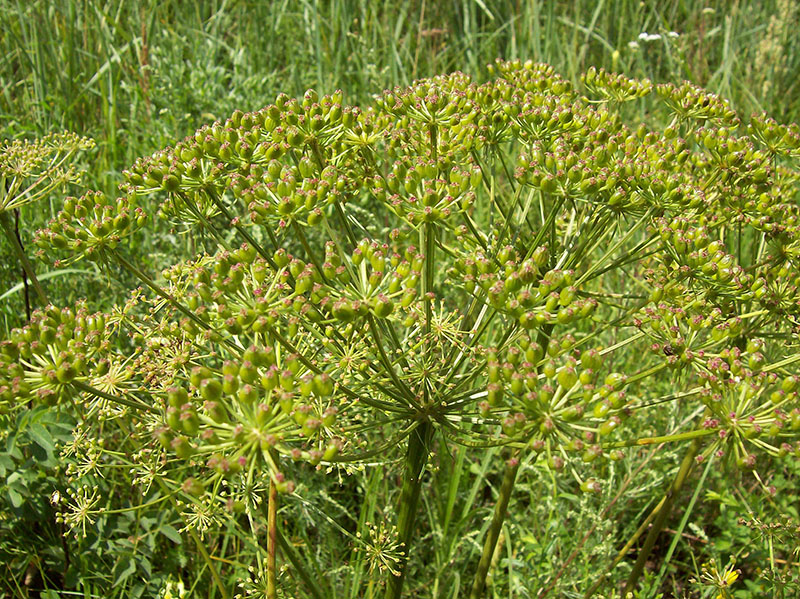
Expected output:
(172, 534)
(6, 463)
(41, 436)
(125, 567)
(16, 498)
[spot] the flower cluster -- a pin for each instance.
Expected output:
(30, 170)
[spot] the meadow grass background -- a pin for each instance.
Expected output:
(139, 75)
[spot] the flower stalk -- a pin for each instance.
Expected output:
(503, 497)
(272, 536)
(415, 460)
(685, 469)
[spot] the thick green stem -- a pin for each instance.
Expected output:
(669, 499)
(272, 534)
(8, 229)
(430, 271)
(507, 486)
(416, 457)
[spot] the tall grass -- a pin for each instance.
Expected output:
(138, 74)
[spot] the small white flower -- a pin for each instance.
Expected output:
(673, 34)
(634, 45)
(649, 37)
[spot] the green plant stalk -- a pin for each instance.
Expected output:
(289, 553)
(416, 457)
(669, 499)
(499, 516)
(506, 487)
(272, 534)
(688, 512)
(8, 230)
(256, 246)
(402, 388)
(123, 401)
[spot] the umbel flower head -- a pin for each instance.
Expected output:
(31, 170)
(475, 260)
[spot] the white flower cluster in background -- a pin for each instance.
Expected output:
(650, 37)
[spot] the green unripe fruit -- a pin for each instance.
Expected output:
(565, 315)
(756, 361)
(567, 377)
(494, 394)
(189, 422)
(572, 413)
(549, 369)
(164, 437)
(789, 384)
(247, 394)
(182, 448)
(193, 487)
(796, 420)
(518, 384)
(211, 389)
(601, 409)
(608, 426)
(198, 374)
(615, 380)
(216, 412)
(616, 399)
(286, 380)
(343, 311)
(311, 426)
(269, 380)
(331, 451)
(65, 373)
(248, 372)
(47, 336)
(323, 385)
(286, 402)
(263, 414)
(329, 417)
(591, 486)
(177, 396)
(382, 306)
(230, 384)
(173, 417)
